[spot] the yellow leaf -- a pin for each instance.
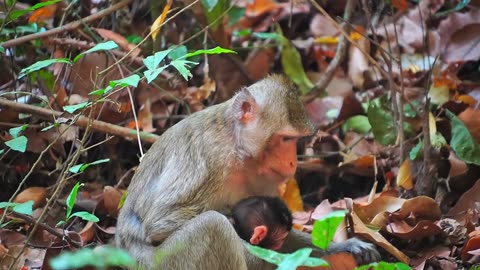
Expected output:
(404, 176)
(291, 196)
(157, 24)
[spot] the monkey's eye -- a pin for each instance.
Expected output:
(288, 138)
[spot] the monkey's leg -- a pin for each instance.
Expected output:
(208, 241)
(363, 252)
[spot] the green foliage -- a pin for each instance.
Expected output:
(71, 202)
(324, 229)
(105, 46)
(287, 261)
(357, 123)
(381, 119)
(384, 266)
(292, 65)
(18, 144)
(235, 14)
(416, 151)
(82, 167)
(22, 29)
(2, 50)
(75, 107)
(179, 61)
(101, 257)
(25, 208)
(42, 64)
(214, 10)
(16, 130)
(18, 13)
(461, 4)
(462, 143)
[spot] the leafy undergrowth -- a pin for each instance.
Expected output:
(85, 88)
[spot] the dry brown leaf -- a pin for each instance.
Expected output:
(88, 232)
(260, 7)
(423, 229)
(457, 166)
(37, 194)
(111, 200)
(145, 117)
(375, 237)
(469, 200)
(421, 207)
(471, 118)
(367, 212)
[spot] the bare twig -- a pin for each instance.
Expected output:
(342, 49)
(68, 27)
(82, 121)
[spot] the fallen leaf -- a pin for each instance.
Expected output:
(37, 194)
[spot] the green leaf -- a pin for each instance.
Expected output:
(182, 67)
(42, 64)
(131, 80)
(2, 50)
(25, 208)
(122, 199)
(273, 36)
(16, 130)
(7, 204)
(416, 151)
(437, 140)
(18, 144)
(324, 229)
(235, 14)
(71, 199)
(214, 9)
(178, 52)
(73, 108)
(18, 13)
(293, 67)
(270, 256)
(82, 167)
(462, 142)
(242, 33)
(105, 46)
(357, 123)
(381, 119)
(216, 50)
(2, 151)
(51, 126)
(458, 7)
(60, 223)
(152, 74)
(86, 216)
(299, 258)
(152, 61)
(101, 258)
(384, 266)
(134, 39)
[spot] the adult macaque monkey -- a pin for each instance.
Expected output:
(204, 165)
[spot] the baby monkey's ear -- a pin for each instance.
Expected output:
(259, 233)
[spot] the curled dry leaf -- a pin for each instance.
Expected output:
(375, 237)
(111, 199)
(424, 228)
(37, 194)
(469, 200)
(421, 207)
(367, 212)
(88, 232)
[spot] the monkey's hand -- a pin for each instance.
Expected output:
(363, 252)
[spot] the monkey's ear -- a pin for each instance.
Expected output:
(259, 233)
(245, 107)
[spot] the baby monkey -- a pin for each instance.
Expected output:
(262, 221)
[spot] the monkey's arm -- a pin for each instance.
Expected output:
(363, 252)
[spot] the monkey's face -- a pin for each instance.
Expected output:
(278, 161)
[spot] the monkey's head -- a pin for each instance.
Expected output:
(268, 119)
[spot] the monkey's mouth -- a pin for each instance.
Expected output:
(276, 176)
